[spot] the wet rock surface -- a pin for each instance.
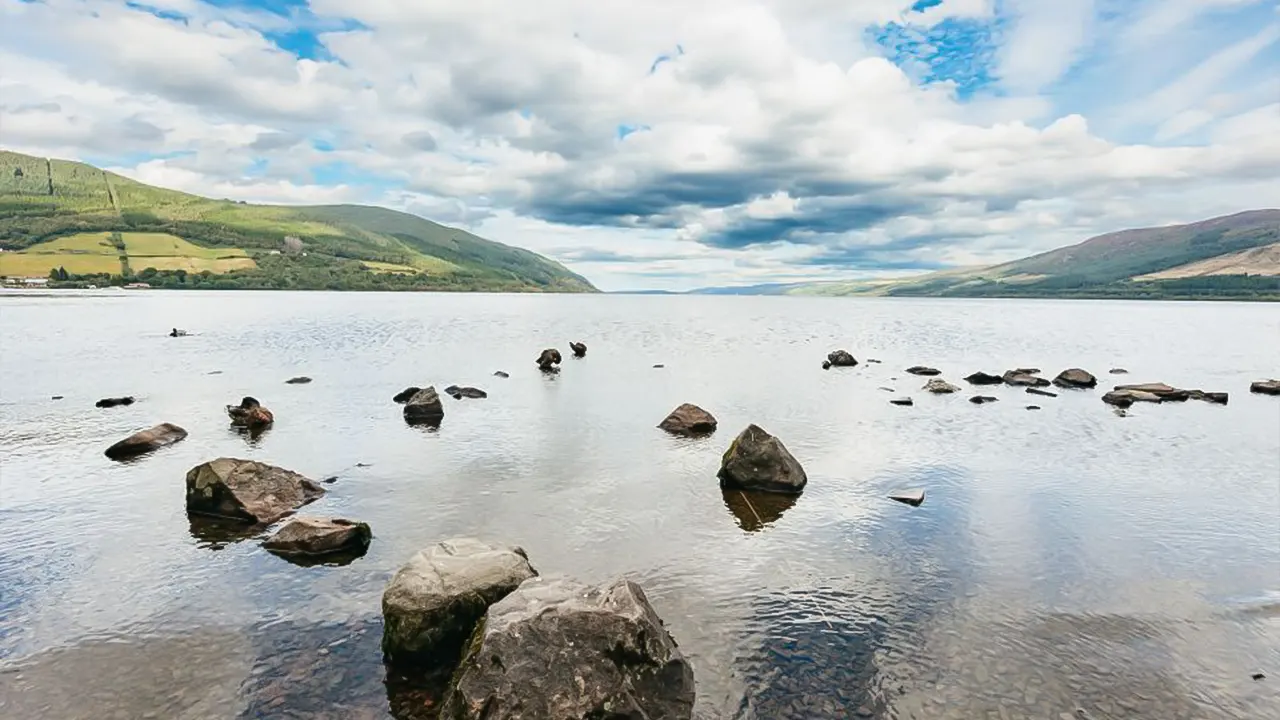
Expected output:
(557, 649)
(406, 394)
(315, 536)
(424, 408)
(689, 419)
(457, 393)
(923, 370)
(1022, 378)
(983, 399)
(250, 414)
(501, 374)
(905, 402)
(1075, 378)
(981, 378)
(247, 490)
(841, 358)
(912, 497)
(115, 402)
(1265, 387)
(759, 461)
(938, 386)
(300, 380)
(433, 603)
(146, 441)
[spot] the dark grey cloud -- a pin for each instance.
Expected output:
(274, 140)
(420, 140)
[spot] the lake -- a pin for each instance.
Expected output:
(1066, 563)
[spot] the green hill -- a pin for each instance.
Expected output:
(101, 227)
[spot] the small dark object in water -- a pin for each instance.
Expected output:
(57, 397)
(905, 402)
(981, 378)
(548, 359)
(113, 402)
(214, 372)
(250, 414)
(177, 333)
(1038, 391)
(887, 389)
(300, 380)
(1118, 371)
(982, 399)
(659, 365)
(501, 374)
(457, 393)
(1265, 387)
(579, 349)
(146, 441)
(909, 497)
(826, 364)
(1033, 407)
(1258, 676)
(364, 464)
(404, 395)
(841, 358)
(873, 360)
(922, 370)
(330, 480)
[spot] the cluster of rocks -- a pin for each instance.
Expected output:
(1124, 396)
(516, 644)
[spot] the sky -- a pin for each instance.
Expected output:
(674, 144)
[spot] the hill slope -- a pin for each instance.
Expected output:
(45, 202)
(1224, 257)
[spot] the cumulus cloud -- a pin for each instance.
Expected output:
(674, 143)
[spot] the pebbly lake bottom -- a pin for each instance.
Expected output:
(1066, 562)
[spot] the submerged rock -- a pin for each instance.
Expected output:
(922, 370)
(1021, 378)
(1075, 378)
(175, 332)
(432, 604)
(457, 393)
(558, 650)
(757, 460)
(146, 441)
(905, 402)
(841, 358)
(1217, 398)
(983, 399)
(689, 419)
(579, 349)
(300, 380)
(502, 374)
(406, 394)
(981, 378)
(1118, 371)
(658, 366)
(1042, 393)
(250, 414)
(247, 490)
(909, 497)
(1265, 387)
(115, 402)
(938, 386)
(424, 407)
(548, 359)
(1033, 407)
(319, 536)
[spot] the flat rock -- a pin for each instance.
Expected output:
(981, 378)
(904, 402)
(939, 386)
(1042, 393)
(502, 374)
(689, 419)
(146, 441)
(1265, 387)
(873, 361)
(319, 536)
(922, 370)
(115, 402)
(658, 366)
(432, 604)
(424, 407)
(457, 393)
(757, 460)
(1118, 371)
(406, 394)
(983, 399)
(1023, 379)
(887, 389)
(300, 380)
(1217, 398)
(579, 349)
(1075, 378)
(558, 650)
(1160, 390)
(1033, 407)
(841, 358)
(56, 397)
(247, 490)
(910, 497)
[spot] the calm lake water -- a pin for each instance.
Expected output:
(1067, 563)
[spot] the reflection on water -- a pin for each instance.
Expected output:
(1067, 563)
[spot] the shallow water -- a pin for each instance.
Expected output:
(1066, 563)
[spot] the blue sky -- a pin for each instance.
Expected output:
(676, 144)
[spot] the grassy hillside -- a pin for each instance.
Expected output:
(234, 244)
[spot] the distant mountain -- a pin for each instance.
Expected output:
(57, 215)
(763, 289)
(1235, 256)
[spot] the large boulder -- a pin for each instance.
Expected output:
(548, 360)
(1265, 387)
(1075, 378)
(938, 386)
(433, 603)
(841, 358)
(558, 650)
(319, 536)
(247, 490)
(579, 349)
(457, 393)
(689, 419)
(146, 441)
(981, 378)
(922, 370)
(1021, 378)
(424, 407)
(757, 460)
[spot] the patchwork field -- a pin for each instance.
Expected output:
(88, 253)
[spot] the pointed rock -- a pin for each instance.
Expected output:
(689, 419)
(909, 497)
(424, 407)
(579, 349)
(757, 460)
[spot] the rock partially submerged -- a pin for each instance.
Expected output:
(502, 374)
(315, 536)
(1217, 398)
(938, 386)
(579, 349)
(548, 360)
(1033, 407)
(981, 378)
(115, 402)
(983, 399)
(424, 408)
(757, 460)
(1042, 393)
(1161, 391)
(406, 394)
(904, 402)
(146, 441)
(250, 414)
(1075, 378)
(558, 650)
(300, 380)
(457, 393)
(432, 604)
(909, 497)
(1265, 387)
(1125, 398)
(1021, 378)
(1118, 371)
(922, 370)
(247, 490)
(689, 419)
(841, 358)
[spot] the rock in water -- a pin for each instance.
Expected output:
(247, 490)
(558, 650)
(759, 461)
(939, 386)
(981, 378)
(548, 359)
(424, 407)
(983, 399)
(1033, 407)
(502, 374)
(114, 402)
(146, 441)
(841, 358)
(250, 414)
(579, 349)
(922, 370)
(1265, 387)
(1160, 390)
(457, 393)
(826, 364)
(905, 402)
(910, 497)
(432, 605)
(689, 419)
(319, 536)
(404, 395)
(1042, 393)
(1118, 371)
(1075, 378)
(1217, 398)
(300, 380)
(1023, 379)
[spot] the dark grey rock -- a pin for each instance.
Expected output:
(300, 380)
(406, 394)
(1160, 390)
(1265, 387)
(432, 604)
(841, 358)
(905, 402)
(56, 397)
(983, 399)
(922, 370)
(424, 408)
(981, 378)
(1075, 378)
(146, 441)
(1033, 407)
(457, 393)
(247, 490)
(689, 419)
(757, 460)
(115, 402)
(1023, 379)
(319, 536)
(1118, 371)
(558, 650)
(501, 374)
(1042, 393)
